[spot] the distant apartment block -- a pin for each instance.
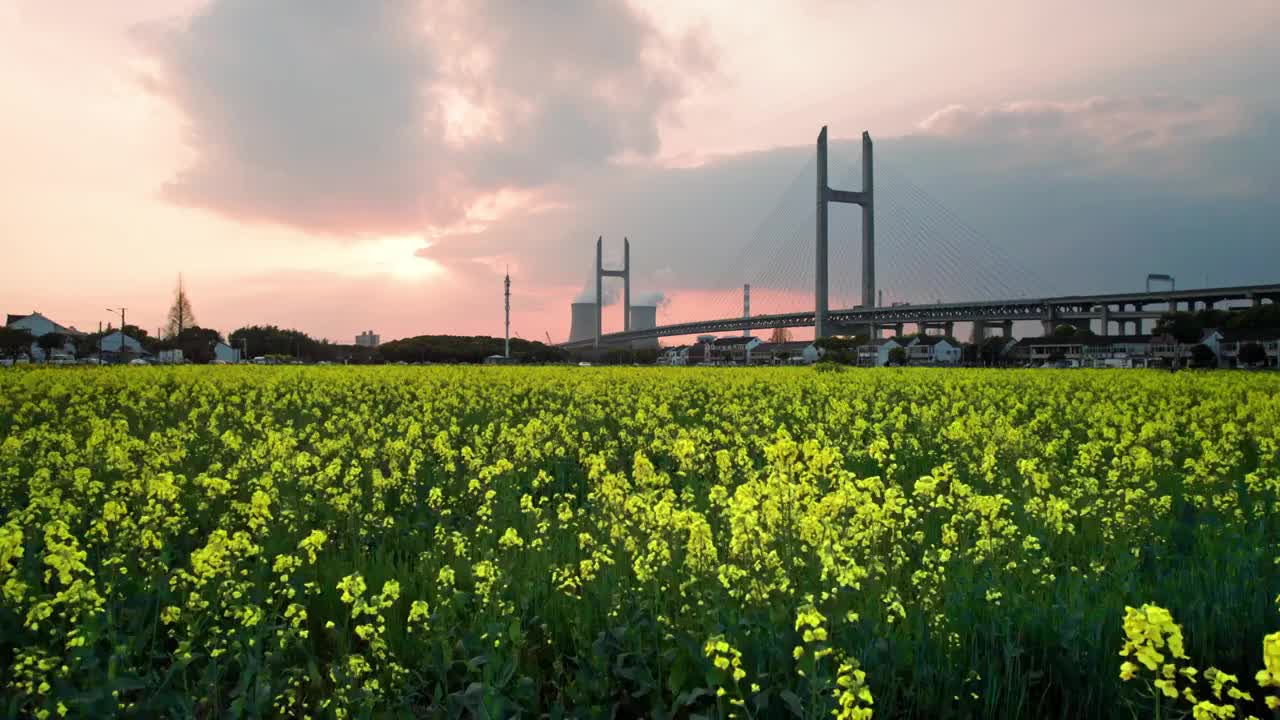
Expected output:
(367, 339)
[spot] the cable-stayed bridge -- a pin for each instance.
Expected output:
(922, 249)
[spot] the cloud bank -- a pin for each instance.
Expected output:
(365, 118)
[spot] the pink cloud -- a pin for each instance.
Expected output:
(1113, 122)
(359, 119)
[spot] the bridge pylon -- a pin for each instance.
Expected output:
(866, 199)
(601, 274)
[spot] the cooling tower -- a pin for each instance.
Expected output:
(583, 325)
(644, 317)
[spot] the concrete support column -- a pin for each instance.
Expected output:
(1048, 322)
(626, 284)
(1106, 321)
(1006, 328)
(863, 198)
(599, 287)
(868, 227)
(897, 330)
(948, 328)
(979, 332)
(820, 329)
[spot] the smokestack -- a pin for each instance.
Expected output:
(583, 321)
(644, 317)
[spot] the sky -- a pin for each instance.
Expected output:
(339, 167)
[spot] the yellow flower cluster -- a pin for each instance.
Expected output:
(1151, 629)
(498, 542)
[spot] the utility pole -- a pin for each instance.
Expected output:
(120, 349)
(746, 310)
(506, 303)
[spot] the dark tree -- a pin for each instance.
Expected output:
(50, 342)
(992, 349)
(1259, 316)
(1252, 353)
(843, 350)
(196, 344)
(1203, 357)
(1065, 331)
(14, 340)
(898, 356)
(88, 345)
(474, 349)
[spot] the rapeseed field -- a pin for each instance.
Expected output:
(498, 542)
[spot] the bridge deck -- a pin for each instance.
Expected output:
(1067, 307)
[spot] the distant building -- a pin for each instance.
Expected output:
(224, 353)
(1127, 351)
(678, 355)
(734, 349)
(701, 352)
(934, 349)
(1226, 344)
(117, 342)
(798, 352)
(875, 352)
(38, 325)
(368, 339)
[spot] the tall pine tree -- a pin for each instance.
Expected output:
(181, 316)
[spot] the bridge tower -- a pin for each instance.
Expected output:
(865, 199)
(601, 274)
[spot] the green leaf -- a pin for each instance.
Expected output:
(793, 703)
(676, 678)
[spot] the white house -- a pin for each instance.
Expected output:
(678, 355)
(934, 349)
(39, 325)
(224, 353)
(734, 349)
(876, 351)
(112, 343)
(797, 352)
